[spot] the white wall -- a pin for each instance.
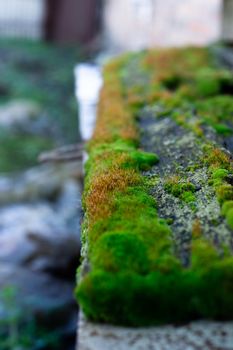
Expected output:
(21, 18)
(227, 25)
(135, 24)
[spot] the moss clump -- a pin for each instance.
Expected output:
(188, 197)
(220, 174)
(177, 186)
(201, 89)
(120, 251)
(227, 206)
(207, 82)
(224, 193)
(143, 160)
(220, 167)
(218, 177)
(215, 158)
(229, 218)
(218, 108)
(181, 189)
(227, 211)
(222, 129)
(183, 295)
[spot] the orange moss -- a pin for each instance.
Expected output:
(216, 158)
(114, 119)
(100, 195)
(169, 60)
(196, 229)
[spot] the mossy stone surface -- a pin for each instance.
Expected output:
(157, 224)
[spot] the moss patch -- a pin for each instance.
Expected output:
(181, 189)
(135, 277)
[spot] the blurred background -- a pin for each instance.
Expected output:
(70, 21)
(155, 21)
(41, 42)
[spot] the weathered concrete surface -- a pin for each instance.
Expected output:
(179, 151)
(194, 336)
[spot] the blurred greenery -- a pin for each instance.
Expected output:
(19, 329)
(20, 151)
(44, 74)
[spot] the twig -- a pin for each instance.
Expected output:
(63, 154)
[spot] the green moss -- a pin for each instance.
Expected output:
(135, 211)
(220, 174)
(135, 277)
(207, 83)
(215, 158)
(226, 207)
(181, 189)
(177, 189)
(144, 160)
(151, 181)
(115, 252)
(222, 129)
(135, 158)
(216, 109)
(229, 217)
(224, 193)
(188, 197)
(177, 296)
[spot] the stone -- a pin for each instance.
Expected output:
(18, 112)
(46, 298)
(43, 181)
(42, 236)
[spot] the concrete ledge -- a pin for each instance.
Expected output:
(194, 336)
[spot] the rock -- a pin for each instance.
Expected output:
(42, 236)
(46, 298)
(43, 181)
(18, 112)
